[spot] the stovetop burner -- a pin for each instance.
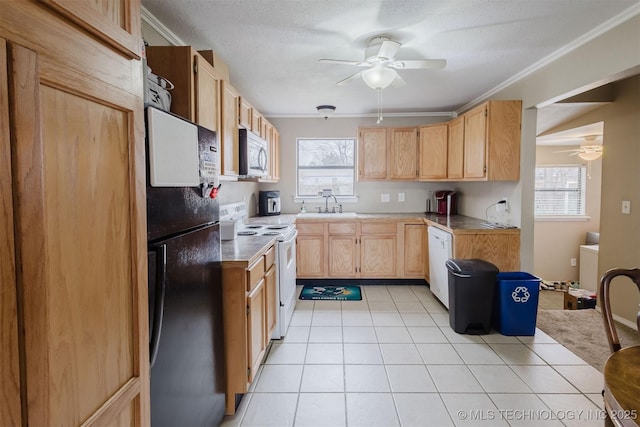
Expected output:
(277, 227)
(271, 233)
(247, 233)
(252, 226)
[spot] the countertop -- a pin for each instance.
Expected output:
(245, 249)
(457, 224)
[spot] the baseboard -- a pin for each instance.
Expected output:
(361, 282)
(622, 320)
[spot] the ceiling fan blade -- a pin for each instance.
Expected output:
(348, 79)
(419, 64)
(339, 61)
(388, 49)
(398, 82)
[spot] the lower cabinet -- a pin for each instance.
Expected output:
(249, 296)
(415, 250)
(379, 249)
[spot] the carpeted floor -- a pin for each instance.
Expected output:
(581, 331)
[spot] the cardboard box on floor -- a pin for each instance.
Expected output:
(578, 300)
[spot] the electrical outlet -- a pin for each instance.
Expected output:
(384, 198)
(401, 197)
(573, 262)
(626, 207)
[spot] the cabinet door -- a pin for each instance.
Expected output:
(272, 299)
(310, 258)
(9, 369)
(378, 256)
(414, 252)
(475, 142)
(274, 155)
(244, 113)
(433, 152)
(78, 176)
(257, 333)
(207, 88)
(229, 156)
(111, 21)
(255, 121)
(372, 153)
(403, 151)
(455, 148)
(342, 256)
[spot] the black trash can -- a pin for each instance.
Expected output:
(472, 284)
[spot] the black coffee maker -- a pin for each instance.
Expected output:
(269, 203)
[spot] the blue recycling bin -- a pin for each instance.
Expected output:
(515, 307)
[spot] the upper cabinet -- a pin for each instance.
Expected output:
(387, 153)
(481, 145)
(116, 23)
(204, 95)
(72, 195)
(228, 135)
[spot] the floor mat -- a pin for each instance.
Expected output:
(342, 293)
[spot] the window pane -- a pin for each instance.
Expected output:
(326, 163)
(560, 190)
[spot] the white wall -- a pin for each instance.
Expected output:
(368, 192)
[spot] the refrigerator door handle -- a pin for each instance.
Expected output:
(161, 279)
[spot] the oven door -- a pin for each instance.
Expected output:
(286, 282)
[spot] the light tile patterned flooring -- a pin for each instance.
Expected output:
(392, 359)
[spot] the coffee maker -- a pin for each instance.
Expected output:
(269, 203)
(446, 202)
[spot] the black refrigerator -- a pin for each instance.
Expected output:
(185, 280)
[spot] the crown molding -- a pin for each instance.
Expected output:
(585, 38)
(162, 29)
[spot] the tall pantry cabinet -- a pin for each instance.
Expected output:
(73, 298)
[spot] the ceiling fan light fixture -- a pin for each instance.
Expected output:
(379, 77)
(590, 155)
(326, 111)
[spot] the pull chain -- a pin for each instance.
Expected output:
(379, 106)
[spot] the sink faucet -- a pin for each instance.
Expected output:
(326, 203)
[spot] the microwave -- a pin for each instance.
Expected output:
(254, 155)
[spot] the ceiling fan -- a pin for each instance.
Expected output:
(589, 150)
(381, 64)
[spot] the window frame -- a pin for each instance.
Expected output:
(348, 198)
(582, 189)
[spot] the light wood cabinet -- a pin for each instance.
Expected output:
(432, 151)
(342, 249)
(197, 92)
(481, 145)
(311, 250)
(73, 287)
(403, 150)
(249, 308)
(492, 141)
(256, 124)
(372, 153)
(455, 148)
(367, 249)
(274, 155)
(228, 135)
(414, 250)
(501, 248)
(245, 113)
(378, 249)
(387, 153)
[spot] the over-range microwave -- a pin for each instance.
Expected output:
(254, 155)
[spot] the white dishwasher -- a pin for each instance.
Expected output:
(440, 250)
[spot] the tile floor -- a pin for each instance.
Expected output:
(393, 360)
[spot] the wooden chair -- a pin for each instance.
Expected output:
(605, 303)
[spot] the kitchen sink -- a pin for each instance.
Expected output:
(327, 215)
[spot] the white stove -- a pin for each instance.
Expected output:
(285, 234)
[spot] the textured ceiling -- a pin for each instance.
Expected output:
(272, 47)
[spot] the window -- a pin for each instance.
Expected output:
(326, 163)
(560, 191)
